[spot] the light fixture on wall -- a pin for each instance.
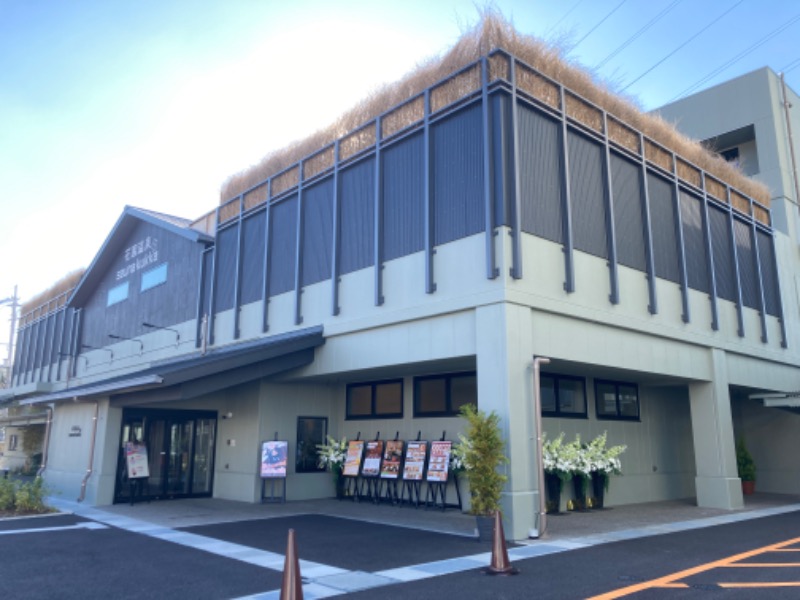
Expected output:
(114, 336)
(227, 415)
(175, 331)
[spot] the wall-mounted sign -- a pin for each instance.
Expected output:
(273, 459)
(75, 431)
(138, 256)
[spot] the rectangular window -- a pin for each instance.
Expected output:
(311, 431)
(2, 434)
(616, 400)
(12, 442)
(444, 395)
(153, 277)
(375, 400)
(563, 396)
(117, 294)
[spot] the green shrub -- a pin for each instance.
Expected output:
(30, 497)
(7, 494)
(483, 455)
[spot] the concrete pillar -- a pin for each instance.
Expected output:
(504, 358)
(717, 481)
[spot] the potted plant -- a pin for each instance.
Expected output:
(603, 463)
(559, 463)
(482, 448)
(746, 467)
(331, 456)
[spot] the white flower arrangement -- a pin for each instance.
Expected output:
(574, 459)
(331, 456)
(459, 454)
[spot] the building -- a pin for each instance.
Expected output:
(418, 263)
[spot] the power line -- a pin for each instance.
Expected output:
(636, 35)
(738, 57)
(568, 13)
(682, 45)
(588, 33)
(791, 65)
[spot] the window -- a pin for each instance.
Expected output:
(12, 441)
(731, 155)
(375, 400)
(563, 396)
(616, 400)
(153, 277)
(2, 434)
(311, 431)
(444, 395)
(117, 294)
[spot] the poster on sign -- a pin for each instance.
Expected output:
(392, 457)
(372, 459)
(352, 460)
(136, 460)
(414, 467)
(439, 461)
(274, 456)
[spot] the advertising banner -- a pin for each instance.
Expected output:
(392, 457)
(372, 459)
(439, 461)
(273, 459)
(136, 460)
(352, 461)
(415, 460)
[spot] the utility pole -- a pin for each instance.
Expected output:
(13, 301)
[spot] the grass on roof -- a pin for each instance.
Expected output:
(491, 32)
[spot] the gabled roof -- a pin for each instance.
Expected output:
(116, 240)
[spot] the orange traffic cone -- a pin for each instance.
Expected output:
(500, 565)
(292, 585)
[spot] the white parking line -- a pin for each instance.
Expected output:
(87, 525)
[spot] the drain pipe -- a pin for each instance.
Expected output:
(90, 468)
(541, 522)
(43, 466)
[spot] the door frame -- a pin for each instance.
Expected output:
(168, 416)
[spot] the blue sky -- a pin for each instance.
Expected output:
(154, 103)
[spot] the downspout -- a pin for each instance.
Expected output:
(541, 522)
(43, 466)
(90, 468)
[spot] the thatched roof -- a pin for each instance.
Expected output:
(494, 32)
(65, 284)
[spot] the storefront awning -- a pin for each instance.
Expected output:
(199, 374)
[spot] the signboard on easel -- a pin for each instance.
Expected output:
(274, 455)
(136, 460)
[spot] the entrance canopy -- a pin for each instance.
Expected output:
(200, 374)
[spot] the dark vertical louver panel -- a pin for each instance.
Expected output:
(665, 242)
(403, 198)
(317, 232)
(253, 230)
(208, 267)
(226, 267)
(587, 195)
(502, 157)
(459, 209)
(23, 346)
(47, 341)
(766, 255)
(628, 220)
(357, 216)
(723, 259)
(283, 242)
(694, 241)
(745, 254)
(540, 175)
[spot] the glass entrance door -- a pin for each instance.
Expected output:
(180, 453)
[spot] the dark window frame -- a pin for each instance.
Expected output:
(298, 460)
(448, 377)
(618, 416)
(558, 413)
(373, 386)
